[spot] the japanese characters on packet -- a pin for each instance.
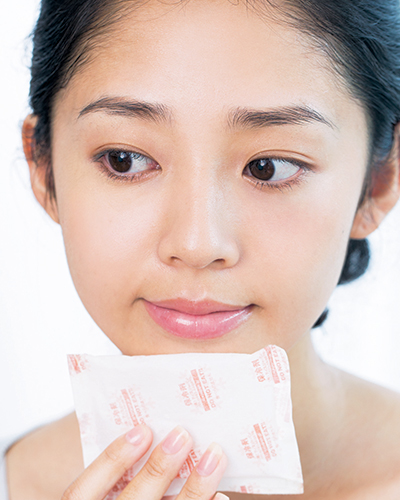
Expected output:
(240, 401)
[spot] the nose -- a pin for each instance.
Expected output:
(198, 227)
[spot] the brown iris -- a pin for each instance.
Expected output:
(120, 161)
(262, 169)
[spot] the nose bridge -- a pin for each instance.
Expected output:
(201, 218)
(198, 232)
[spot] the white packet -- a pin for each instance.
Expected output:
(240, 401)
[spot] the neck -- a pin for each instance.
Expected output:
(318, 409)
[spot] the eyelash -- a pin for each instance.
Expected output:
(281, 186)
(286, 184)
(121, 178)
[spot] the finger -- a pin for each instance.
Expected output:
(162, 467)
(218, 496)
(102, 474)
(205, 478)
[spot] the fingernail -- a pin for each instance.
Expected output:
(175, 440)
(136, 435)
(209, 460)
(221, 496)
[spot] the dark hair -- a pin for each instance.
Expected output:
(361, 38)
(355, 264)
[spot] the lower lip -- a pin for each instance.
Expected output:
(201, 327)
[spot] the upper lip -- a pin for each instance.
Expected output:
(196, 307)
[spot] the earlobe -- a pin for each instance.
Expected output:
(37, 171)
(383, 194)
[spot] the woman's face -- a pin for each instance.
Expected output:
(206, 155)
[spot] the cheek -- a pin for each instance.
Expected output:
(108, 239)
(298, 249)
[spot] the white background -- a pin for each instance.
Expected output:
(42, 318)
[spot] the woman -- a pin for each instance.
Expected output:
(208, 163)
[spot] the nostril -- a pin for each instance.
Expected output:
(217, 263)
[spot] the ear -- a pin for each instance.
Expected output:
(37, 168)
(383, 196)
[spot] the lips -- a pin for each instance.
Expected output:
(197, 320)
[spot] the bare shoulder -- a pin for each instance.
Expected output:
(43, 463)
(373, 406)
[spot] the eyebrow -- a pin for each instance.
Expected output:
(131, 109)
(285, 115)
(237, 117)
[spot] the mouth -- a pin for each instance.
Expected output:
(197, 320)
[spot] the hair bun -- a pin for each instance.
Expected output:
(356, 262)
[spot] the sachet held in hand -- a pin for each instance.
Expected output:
(240, 401)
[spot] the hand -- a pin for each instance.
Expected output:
(153, 480)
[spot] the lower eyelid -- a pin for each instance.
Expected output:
(283, 184)
(126, 178)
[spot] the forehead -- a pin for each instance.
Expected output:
(208, 56)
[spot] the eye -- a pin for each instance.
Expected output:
(127, 162)
(271, 169)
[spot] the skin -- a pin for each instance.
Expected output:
(220, 230)
(198, 227)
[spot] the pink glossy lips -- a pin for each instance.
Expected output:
(197, 320)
